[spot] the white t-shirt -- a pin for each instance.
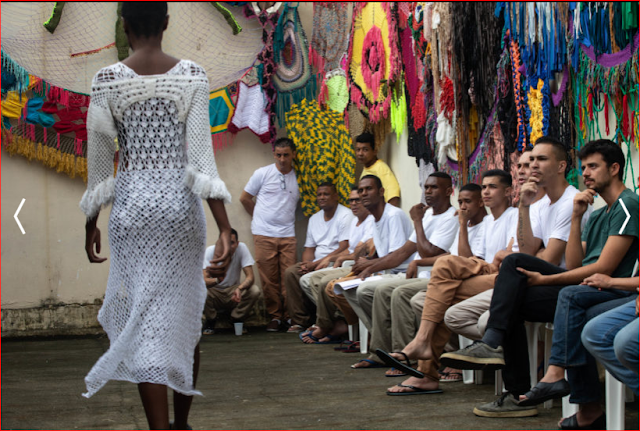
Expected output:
(499, 232)
(391, 231)
(240, 259)
(326, 235)
(476, 239)
(361, 233)
(439, 229)
(554, 220)
(275, 211)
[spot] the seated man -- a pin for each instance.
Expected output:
(469, 317)
(394, 323)
(435, 228)
(527, 288)
(542, 229)
(327, 237)
(367, 154)
(229, 293)
(612, 337)
(391, 230)
(328, 328)
(455, 277)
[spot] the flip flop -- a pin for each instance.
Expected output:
(444, 379)
(307, 334)
(416, 391)
(344, 345)
(374, 364)
(393, 362)
(394, 375)
(353, 348)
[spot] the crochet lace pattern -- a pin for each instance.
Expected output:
(157, 231)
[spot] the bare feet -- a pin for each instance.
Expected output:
(317, 333)
(450, 374)
(424, 383)
(367, 363)
(392, 372)
(415, 350)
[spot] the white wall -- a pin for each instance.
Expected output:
(48, 264)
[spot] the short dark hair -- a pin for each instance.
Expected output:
(609, 150)
(367, 138)
(445, 176)
(471, 187)
(145, 19)
(284, 142)
(235, 232)
(505, 177)
(354, 187)
(558, 147)
(328, 184)
(375, 179)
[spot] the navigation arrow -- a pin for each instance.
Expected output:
(15, 216)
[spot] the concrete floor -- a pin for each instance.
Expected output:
(258, 381)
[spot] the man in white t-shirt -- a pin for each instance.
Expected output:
(327, 237)
(391, 230)
(469, 317)
(435, 227)
(329, 326)
(275, 190)
(393, 320)
(229, 293)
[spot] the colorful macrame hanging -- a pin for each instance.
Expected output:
(330, 39)
(221, 109)
(292, 78)
(374, 60)
(324, 152)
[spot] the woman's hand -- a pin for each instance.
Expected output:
(92, 237)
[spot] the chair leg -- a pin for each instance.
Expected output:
(499, 383)
(548, 336)
(351, 332)
(532, 342)
(614, 394)
(364, 337)
(568, 409)
(467, 375)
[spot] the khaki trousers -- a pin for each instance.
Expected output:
(273, 257)
(394, 324)
(361, 298)
(220, 299)
(326, 312)
(340, 301)
(453, 279)
(299, 305)
(469, 318)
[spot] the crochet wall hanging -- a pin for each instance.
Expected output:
(374, 60)
(292, 78)
(324, 152)
(62, 57)
(265, 67)
(221, 109)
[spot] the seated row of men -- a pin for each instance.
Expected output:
(542, 260)
(489, 274)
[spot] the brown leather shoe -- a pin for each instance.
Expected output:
(273, 326)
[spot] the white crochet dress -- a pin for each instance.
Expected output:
(155, 293)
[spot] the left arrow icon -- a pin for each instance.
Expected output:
(15, 216)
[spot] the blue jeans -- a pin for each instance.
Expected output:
(576, 306)
(612, 338)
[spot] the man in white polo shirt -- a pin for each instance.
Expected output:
(275, 189)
